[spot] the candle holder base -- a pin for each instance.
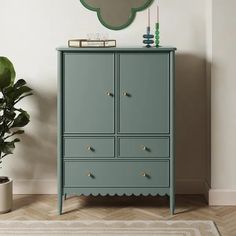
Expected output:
(148, 38)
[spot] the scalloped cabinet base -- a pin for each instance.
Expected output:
(6, 197)
(116, 122)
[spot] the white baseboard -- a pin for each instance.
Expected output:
(34, 186)
(222, 197)
(37, 186)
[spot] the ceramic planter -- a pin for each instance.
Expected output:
(6, 196)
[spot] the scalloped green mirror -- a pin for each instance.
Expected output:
(116, 14)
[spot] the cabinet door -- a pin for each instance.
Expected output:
(144, 93)
(89, 93)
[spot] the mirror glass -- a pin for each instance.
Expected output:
(116, 14)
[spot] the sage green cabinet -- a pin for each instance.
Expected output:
(116, 122)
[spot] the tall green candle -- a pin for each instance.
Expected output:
(157, 32)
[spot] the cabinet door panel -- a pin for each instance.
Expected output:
(144, 93)
(88, 93)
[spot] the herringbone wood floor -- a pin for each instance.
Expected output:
(189, 207)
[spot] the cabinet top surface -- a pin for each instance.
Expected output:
(114, 49)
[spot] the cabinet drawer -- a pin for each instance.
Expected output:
(144, 147)
(116, 174)
(88, 147)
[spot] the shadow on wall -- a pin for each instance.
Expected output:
(38, 149)
(191, 118)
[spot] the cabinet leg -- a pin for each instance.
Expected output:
(65, 195)
(60, 202)
(172, 204)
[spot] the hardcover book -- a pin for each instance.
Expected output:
(80, 43)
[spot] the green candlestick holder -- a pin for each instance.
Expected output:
(157, 35)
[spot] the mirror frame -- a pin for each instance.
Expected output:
(131, 19)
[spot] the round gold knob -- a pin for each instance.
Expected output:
(143, 174)
(109, 94)
(125, 94)
(144, 148)
(89, 148)
(89, 174)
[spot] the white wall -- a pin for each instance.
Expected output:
(223, 161)
(30, 30)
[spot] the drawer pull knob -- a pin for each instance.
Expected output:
(90, 148)
(109, 94)
(126, 94)
(89, 174)
(143, 174)
(144, 148)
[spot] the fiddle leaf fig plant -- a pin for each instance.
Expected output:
(12, 118)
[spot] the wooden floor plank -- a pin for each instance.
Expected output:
(189, 207)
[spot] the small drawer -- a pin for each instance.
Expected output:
(144, 147)
(88, 147)
(116, 174)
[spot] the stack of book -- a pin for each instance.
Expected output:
(84, 43)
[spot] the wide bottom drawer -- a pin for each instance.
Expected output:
(116, 174)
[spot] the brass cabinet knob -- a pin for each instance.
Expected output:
(143, 174)
(144, 148)
(125, 94)
(89, 148)
(110, 94)
(89, 174)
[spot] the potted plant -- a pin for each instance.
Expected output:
(12, 119)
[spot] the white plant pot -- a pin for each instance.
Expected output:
(6, 197)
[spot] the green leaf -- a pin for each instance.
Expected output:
(19, 83)
(5, 78)
(16, 140)
(2, 101)
(8, 147)
(19, 131)
(20, 91)
(6, 65)
(1, 141)
(20, 98)
(13, 93)
(1, 120)
(9, 91)
(10, 115)
(18, 109)
(16, 132)
(21, 120)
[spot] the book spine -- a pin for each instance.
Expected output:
(86, 43)
(111, 43)
(74, 44)
(92, 44)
